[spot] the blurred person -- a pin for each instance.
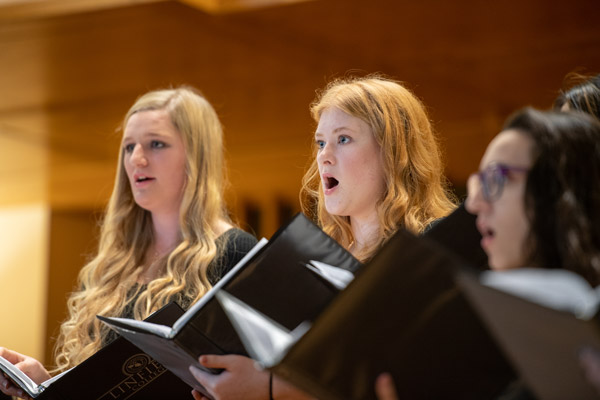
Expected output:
(537, 198)
(584, 97)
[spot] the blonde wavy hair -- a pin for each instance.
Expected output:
(108, 282)
(416, 188)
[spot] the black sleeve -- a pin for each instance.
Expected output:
(232, 246)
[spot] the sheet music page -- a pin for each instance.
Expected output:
(559, 289)
(338, 277)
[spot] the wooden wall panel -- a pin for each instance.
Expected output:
(67, 80)
(472, 63)
(73, 235)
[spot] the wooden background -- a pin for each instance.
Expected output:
(68, 74)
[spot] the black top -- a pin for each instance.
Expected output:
(235, 243)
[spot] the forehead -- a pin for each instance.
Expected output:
(150, 121)
(333, 119)
(509, 147)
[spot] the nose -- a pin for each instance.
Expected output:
(326, 155)
(475, 202)
(138, 158)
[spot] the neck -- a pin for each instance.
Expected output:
(365, 232)
(166, 230)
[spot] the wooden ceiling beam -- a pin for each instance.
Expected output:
(229, 6)
(18, 10)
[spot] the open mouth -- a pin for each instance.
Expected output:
(488, 233)
(330, 182)
(143, 179)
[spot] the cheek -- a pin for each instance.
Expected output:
(519, 217)
(376, 176)
(516, 229)
(522, 234)
(127, 167)
(182, 175)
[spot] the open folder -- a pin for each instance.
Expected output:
(542, 319)
(118, 371)
(403, 313)
(290, 278)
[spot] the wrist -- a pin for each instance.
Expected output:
(282, 390)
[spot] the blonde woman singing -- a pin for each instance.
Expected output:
(166, 234)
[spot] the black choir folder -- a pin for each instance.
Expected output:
(118, 371)
(291, 278)
(458, 233)
(403, 313)
(542, 319)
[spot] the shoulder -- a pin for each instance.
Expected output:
(237, 240)
(432, 224)
(232, 246)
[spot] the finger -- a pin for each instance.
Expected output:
(13, 390)
(204, 378)
(215, 361)
(199, 396)
(384, 387)
(9, 388)
(11, 356)
(6, 384)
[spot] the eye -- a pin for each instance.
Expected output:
(343, 140)
(494, 178)
(320, 144)
(157, 144)
(128, 148)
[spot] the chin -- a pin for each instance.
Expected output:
(501, 265)
(145, 205)
(334, 209)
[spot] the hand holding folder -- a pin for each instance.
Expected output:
(118, 371)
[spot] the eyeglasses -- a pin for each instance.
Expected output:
(492, 180)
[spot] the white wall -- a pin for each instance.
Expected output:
(24, 239)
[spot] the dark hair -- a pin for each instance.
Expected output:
(562, 194)
(584, 97)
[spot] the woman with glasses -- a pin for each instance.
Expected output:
(537, 201)
(537, 194)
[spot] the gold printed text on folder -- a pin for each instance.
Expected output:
(139, 370)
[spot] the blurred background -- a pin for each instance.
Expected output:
(70, 69)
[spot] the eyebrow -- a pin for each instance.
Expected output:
(336, 130)
(150, 134)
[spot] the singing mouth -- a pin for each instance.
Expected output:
(330, 182)
(486, 232)
(142, 178)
